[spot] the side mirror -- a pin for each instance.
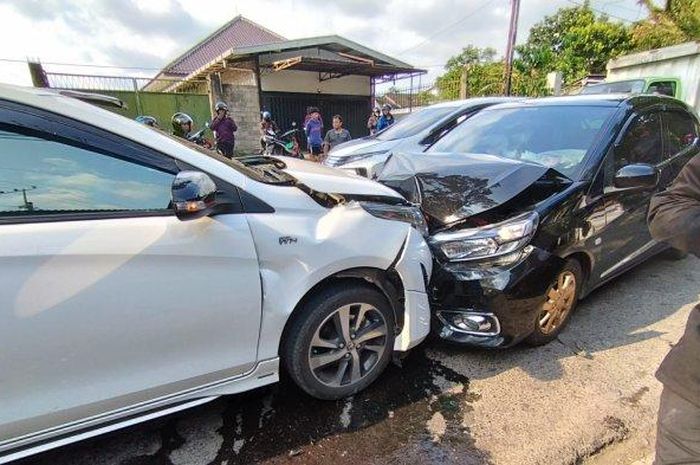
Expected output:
(639, 175)
(193, 194)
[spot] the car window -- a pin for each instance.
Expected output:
(641, 143)
(663, 88)
(557, 136)
(635, 86)
(40, 174)
(414, 123)
(681, 132)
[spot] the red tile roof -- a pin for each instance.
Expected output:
(239, 32)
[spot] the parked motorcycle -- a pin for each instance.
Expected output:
(199, 139)
(286, 143)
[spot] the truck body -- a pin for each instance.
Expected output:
(673, 71)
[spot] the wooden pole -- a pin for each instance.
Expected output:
(510, 49)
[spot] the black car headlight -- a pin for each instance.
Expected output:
(488, 242)
(407, 213)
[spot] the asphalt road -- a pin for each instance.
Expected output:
(590, 391)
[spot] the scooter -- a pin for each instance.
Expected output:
(199, 139)
(286, 143)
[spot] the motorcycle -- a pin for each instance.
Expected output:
(286, 143)
(199, 139)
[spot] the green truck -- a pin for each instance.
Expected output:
(673, 71)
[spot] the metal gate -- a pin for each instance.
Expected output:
(288, 107)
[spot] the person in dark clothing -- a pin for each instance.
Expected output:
(674, 217)
(314, 134)
(387, 119)
(225, 127)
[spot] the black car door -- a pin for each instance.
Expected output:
(681, 134)
(626, 235)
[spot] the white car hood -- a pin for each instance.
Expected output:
(334, 181)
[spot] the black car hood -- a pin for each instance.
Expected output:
(452, 187)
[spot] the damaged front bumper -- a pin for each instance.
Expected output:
(491, 306)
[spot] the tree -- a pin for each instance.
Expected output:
(575, 41)
(484, 73)
(677, 22)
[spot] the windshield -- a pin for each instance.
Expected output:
(635, 86)
(555, 136)
(414, 123)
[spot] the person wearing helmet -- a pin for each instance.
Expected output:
(266, 125)
(182, 124)
(225, 127)
(387, 119)
(373, 119)
(147, 120)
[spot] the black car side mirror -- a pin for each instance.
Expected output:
(638, 175)
(193, 195)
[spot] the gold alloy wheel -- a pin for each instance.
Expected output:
(560, 301)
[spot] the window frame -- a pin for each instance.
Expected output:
(669, 158)
(70, 131)
(628, 126)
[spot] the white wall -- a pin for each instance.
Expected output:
(307, 82)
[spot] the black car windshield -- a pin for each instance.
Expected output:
(414, 123)
(634, 86)
(556, 136)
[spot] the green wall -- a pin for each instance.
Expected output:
(163, 105)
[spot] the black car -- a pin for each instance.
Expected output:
(532, 205)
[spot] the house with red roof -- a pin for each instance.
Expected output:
(254, 69)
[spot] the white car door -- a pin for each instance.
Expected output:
(106, 298)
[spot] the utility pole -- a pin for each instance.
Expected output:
(26, 204)
(510, 49)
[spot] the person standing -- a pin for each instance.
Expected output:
(387, 119)
(225, 127)
(267, 125)
(674, 217)
(314, 134)
(335, 136)
(373, 119)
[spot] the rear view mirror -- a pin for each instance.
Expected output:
(193, 194)
(639, 175)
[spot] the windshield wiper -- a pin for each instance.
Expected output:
(269, 169)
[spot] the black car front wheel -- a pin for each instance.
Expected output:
(559, 303)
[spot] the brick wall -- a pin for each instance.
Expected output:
(238, 88)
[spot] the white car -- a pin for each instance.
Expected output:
(140, 275)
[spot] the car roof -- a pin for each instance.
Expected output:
(476, 101)
(632, 101)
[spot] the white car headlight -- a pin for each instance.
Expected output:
(406, 213)
(489, 241)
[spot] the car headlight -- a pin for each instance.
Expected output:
(359, 156)
(488, 242)
(407, 213)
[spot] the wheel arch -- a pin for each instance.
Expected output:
(388, 282)
(586, 262)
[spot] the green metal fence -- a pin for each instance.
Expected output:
(130, 90)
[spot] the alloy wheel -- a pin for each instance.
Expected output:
(348, 344)
(560, 300)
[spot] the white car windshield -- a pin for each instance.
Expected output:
(556, 136)
(414, 123)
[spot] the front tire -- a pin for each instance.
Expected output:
(560, 302)
(340, 342)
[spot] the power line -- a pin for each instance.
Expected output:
(141, 68)
(602, 12)
(431, 37)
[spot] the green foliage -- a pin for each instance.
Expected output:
(575, 41)
(677, 23)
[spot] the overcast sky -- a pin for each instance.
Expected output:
(140, 33)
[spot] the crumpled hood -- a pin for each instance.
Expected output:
(452, 187)
(331, 180)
